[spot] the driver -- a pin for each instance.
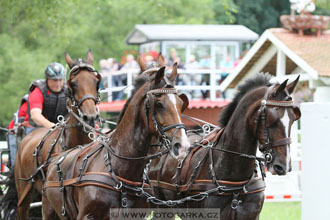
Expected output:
(47, 99)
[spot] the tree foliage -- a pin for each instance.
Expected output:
(36, 32)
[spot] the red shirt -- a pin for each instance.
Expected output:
(36, 99)
(22, 112)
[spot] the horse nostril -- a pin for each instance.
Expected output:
(176, 147)
(279, 169)
(85, 118)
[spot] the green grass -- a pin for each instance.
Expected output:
(281, 211)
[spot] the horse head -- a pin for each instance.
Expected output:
(83, 84)
(163, 107)
(272, 124)
(166, 106)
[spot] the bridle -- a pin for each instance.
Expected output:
(150, 108)
(75, 71)
(266, 145)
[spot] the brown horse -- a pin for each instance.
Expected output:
(37, 147)
(89, 182)
(221, 172)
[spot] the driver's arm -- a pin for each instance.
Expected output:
(39, 119)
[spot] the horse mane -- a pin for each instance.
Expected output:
(138, 83)
(261, 79)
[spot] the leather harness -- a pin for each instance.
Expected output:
(109, 180)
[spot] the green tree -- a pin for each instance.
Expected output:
(36, 32)
(258, 15)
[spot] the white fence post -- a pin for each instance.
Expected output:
(315, 149)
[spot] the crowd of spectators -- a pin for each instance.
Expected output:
(110, 66)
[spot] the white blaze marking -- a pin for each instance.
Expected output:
(285, 121)
(184, 139)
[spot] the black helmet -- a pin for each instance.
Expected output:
(55, 71)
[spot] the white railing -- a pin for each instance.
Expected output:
(214, 76)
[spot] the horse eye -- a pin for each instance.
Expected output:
(159, 105)
(73, 84)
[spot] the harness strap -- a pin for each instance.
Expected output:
(25, 192)
(227, 187)
(97, 178)
(85, 97)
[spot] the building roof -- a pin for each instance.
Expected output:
(310, 53)
(144, 33)
(117, 106)
(314, 50)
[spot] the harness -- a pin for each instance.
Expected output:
(198, 190)
(41, 166)
(110, 180)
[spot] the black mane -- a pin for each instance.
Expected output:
(140, 81)
(259, 80)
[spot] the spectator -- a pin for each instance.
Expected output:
(116, 80)
(226, 67)
(174, 58)
(149, 61)
(195, 79)
(205, 63)
(192, 63)
(130, 64)
(104, 69)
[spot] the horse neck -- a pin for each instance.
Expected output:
(236, 137)
(75, 135)
(131, 139)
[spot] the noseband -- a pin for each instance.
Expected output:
(267, 146)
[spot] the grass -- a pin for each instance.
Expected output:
(281, 211)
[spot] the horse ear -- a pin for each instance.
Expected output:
(160, 75)
(281, 87)
(90, 57)
(293, 85)
(68, 59)
(174, 73)
(141, 64)
(185, 101)
(160, 60)
(297, 112)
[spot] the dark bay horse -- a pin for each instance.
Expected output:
(221, 173)
(89, 182)
(37, 147)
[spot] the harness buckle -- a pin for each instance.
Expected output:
(268, 157)
(235, 202)
(63, 211)
(180, 164)
(123, 199)
(119, 185)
